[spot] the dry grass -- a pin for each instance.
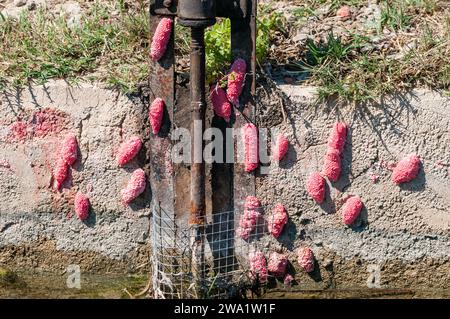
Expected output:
(409, 48)
(104, 47)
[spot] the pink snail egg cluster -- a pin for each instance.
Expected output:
(351, 209)
(219, 99)
(315, 186)
(250, 141)
(128, 150)
(67, 155)
(337, 137)
(248, 221)
(81, 206)
(155, 114)
(236, 80)
(60, 173)
(258, 266)
(69, 149)
(332, 165)
(288, 279)
(252, 203)
(161, 39)
(305, 259)
(277, 264)
(281, 148)
(332, 159)
(406, 170)
(135, 187)
(277, 220)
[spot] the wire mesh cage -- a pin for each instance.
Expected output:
(210, 260)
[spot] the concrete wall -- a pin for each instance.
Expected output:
(33, 122)
(403, 234)
(402, 239)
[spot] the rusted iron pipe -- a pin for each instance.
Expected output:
(197, 14)
(198, 107)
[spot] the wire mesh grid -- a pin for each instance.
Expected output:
(207, 261)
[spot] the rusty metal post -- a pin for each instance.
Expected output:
(169, 185)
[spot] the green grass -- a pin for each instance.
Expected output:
(332, 50)
(393, 16)
(355, 69)
(398, 14)
(308, 8)
(268, 22)
(428, 6)
(111, 49)
(303, 12)
(114, 48)
(41, 46)
(342, 70)
(334, 4)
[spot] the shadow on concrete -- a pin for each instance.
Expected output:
(79, 163)
(418, 184)
(328, 205)
(316, 274)
(142, 201)
(391, 107)
(346, 164)
(91, 221)
(13, 97)
(361, 223)
(33, 96)
(290, 159)
(288, 235)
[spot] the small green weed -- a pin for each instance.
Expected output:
(393, 16)
(218, 50)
